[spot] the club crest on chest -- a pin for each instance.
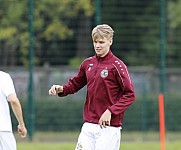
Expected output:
(104, 73)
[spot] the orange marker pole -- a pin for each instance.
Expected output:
(161, 121)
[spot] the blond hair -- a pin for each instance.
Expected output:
(102, 31)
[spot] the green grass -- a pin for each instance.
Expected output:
(71, 146)
(46, 146)
(130, 141)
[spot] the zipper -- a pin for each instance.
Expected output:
(97, 67)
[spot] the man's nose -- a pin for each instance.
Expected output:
(97, 45)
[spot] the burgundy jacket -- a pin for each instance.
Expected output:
(108, 87)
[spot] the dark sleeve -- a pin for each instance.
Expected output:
(75, 83)
(127, 89)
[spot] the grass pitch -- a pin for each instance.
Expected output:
(71, 146)
(67, 141)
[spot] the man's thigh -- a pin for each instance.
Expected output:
(86, 139)
(7, 141)
(109, 139)
(92, 137)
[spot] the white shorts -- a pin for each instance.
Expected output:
(7, 141)
(92, 137)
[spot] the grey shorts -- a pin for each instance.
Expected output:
(7, 141)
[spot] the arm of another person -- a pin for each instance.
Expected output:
(17, 110)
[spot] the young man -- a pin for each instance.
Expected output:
(109, 93)
(7, 93)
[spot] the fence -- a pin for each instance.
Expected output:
(142, 115)
(62, 37)
(62, 31)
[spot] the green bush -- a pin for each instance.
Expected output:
(63, 115)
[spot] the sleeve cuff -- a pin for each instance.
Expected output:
(109, 108)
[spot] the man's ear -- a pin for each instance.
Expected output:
(111, 41)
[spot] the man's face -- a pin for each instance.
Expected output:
(102, 46)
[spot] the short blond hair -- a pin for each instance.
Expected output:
(102, 31)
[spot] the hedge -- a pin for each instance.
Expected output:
(142, 115)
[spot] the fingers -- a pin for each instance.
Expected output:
(105, 119)
(22, 132)
(55, 89)
(52, 90)
(103, 124)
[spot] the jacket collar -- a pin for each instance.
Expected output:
(107, 57)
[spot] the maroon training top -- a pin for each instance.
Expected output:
(108, 87)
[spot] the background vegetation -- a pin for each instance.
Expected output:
(63, 28)
(66, 115)
(67, 141)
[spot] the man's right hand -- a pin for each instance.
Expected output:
(55, 89)
(22, 131)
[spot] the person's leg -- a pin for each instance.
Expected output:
(86, 138)
(109, 139)
(7, 141)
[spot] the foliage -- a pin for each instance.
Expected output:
(52, 22)
(59, 24)
(173, 32)
(174, 10)
(75, 62)
(66, 115)
(137, 32)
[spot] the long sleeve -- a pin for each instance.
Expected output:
(127, 94)
(75, 83)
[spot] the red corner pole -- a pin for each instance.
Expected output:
(161, 121)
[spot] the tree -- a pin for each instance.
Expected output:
(136, 25)
(53, 22)
(11, 26)
(174, 32)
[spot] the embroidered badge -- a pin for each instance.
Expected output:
(104, 73)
